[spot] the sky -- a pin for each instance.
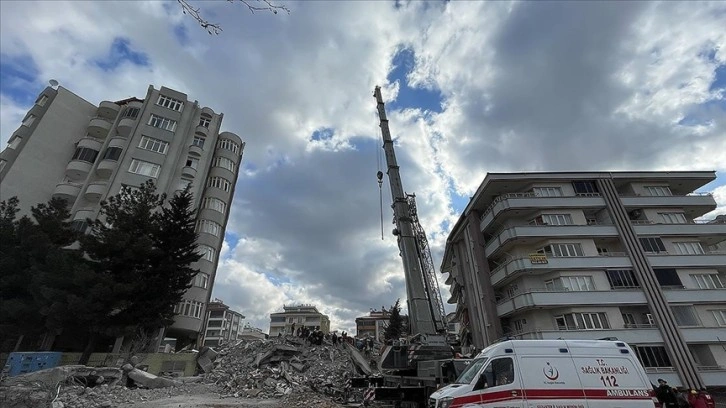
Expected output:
(470, 88)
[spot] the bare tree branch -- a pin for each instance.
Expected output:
(252, 5)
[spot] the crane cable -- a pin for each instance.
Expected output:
(379, 175)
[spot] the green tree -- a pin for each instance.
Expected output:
(395, 323)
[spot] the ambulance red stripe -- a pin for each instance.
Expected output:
(549, 394)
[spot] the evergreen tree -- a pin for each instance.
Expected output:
(395, 323)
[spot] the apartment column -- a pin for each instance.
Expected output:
(672, 336)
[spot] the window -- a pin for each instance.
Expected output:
(112, 153)
(183, 183)
(582, 321)
(688, 248)
(585, 188)
(658, 191)
(653, 245)
(208, 253)
(512, 290)
(499, 372)
(720, 316)
(629, 320)
(547, 191)
(144, 168)
(685, 316)
(162, 123)
(79, 226)
(215, 204)
(653, 356)
(29, 120)
(3, 162)
(191, 308)
(224, 163)
(562, 250)
(673, 218)
(204, 121)
(42, 99)
(557, 219)
(210, 227)
(519, 325)
(155, 145)
(571, 283)
(15, 142)
(85, 154)
(132, 113)
(622, 278)
(668, 277)
(228, 145)
(220, 183)
(192, 162)
(708, 281)
(198, 141)
(201, 280)
(170, 103)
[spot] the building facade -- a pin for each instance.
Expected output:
(298, 316)
(374, 325)
(70, 148)
(617, 255)
(222, 324)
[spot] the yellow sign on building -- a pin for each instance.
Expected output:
(538, 258)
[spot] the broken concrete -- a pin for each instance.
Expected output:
(147, 380)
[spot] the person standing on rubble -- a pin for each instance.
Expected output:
(334, 339)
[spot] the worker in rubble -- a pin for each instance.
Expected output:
(334, 339)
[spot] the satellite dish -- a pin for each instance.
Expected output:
(53, 83)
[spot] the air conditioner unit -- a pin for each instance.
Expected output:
(635, 214)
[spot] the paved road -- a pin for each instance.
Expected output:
(204, 401)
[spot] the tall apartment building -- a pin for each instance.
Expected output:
(70, 148)
(596, 255)
(299, 315)
(222, 324)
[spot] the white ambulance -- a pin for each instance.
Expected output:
(550, 374)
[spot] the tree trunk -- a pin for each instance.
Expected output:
(90, 346)
(19, 342)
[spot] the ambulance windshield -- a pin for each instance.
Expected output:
(470, 373)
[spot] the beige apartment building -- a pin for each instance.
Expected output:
(374, 325)
(596, 255)
(303, 315)
(222, 324)
(70, 148)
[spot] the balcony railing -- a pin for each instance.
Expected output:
(509, 259)
(528, 194)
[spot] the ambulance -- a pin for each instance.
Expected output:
(550, 374)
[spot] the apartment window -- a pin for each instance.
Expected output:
(224, 163)
(720, 316)
(162, 123)
(79, 226)
(667, 277)
(519, 325)
(85, 154)
(205, 120)
(688, 248)
(198, 141)
(155, 145)
(192, 162)
(673, 218)
(629, 320)
(190, 308)
(15, 142)
(512, 290)
(201, 280)
(42, 99)
(144, 168)
(557, 219)
(653, 356)
(228, 145)
(208, 253)
(708, 281)
(547, 191)
(215, 204)
(582, 321)
(220, 183)
(132, 113)
(658, 191)
(571, 283)
(2, 164)
(112, 153)
(586, 188)
(170, 103)
(622, 278)
(210, 227)
(653, 245)
(562, 250)
(29, 119)
(685, 316)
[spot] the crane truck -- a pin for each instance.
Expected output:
(413, 367)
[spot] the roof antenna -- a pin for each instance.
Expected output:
(53, 83)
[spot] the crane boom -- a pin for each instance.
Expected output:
(424, 299)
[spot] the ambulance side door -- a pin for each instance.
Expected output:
(500, 384)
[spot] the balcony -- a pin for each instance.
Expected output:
(542, 298)
(638, 336)
(529, 233)
(106, 167)
(694, 205)
(525, 201)
(99, 127)
(96, 190)
(709, 234)
(515, 266)
(108, 110)
(68, 191)
(125, 125)
(90, 143)
(712, 259)
(78, 169)
(195, 150)
(203, 130)
(189, 171)
(703, 334)
(695, 295)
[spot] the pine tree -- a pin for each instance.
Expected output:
(395, 323)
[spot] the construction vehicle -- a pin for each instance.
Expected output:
(413, 367)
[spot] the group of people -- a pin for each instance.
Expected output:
(342, 339)
(681, 398)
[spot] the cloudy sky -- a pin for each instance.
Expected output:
(471, 88)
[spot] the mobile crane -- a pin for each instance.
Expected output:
(415, 366)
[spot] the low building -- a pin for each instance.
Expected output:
(252, 333)
(222, 324)
(374, 325)
(303, 315)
